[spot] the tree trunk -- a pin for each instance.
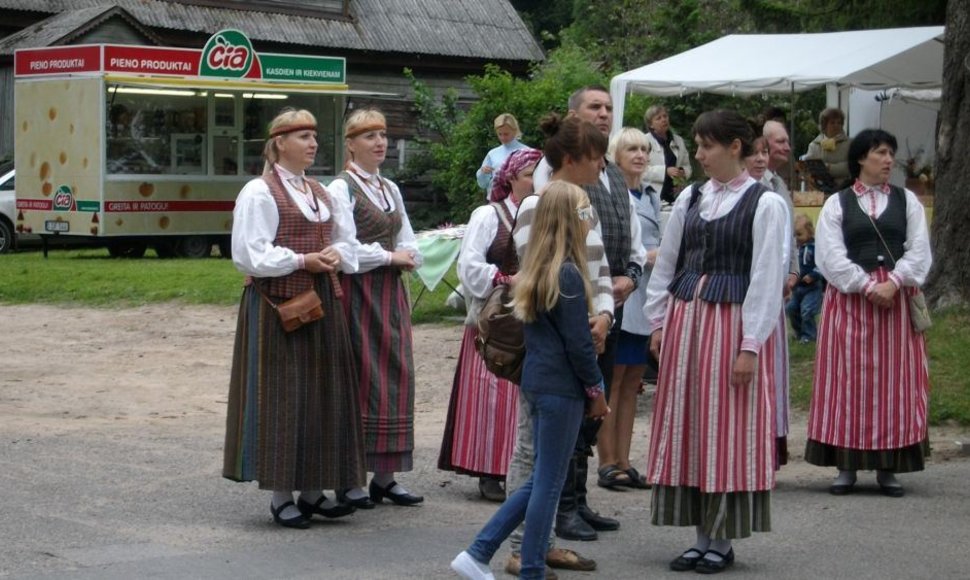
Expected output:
(949, 280)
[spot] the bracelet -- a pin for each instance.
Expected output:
(609, 315)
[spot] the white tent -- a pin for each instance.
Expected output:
(755, 64)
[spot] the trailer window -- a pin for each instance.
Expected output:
(155, 131)
(258, 112)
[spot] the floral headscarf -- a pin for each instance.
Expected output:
(514, 164)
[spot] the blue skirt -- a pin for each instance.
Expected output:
(631, 349)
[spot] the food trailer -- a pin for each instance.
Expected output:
(149, 146)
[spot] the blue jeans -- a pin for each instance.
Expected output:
(802, 308)
(555, 422)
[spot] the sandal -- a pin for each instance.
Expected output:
(612, 477)
(637, 481)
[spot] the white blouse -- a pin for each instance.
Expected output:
(373, 255)
(256, 218)
(474, 272)
(763, 301)
(831, 255)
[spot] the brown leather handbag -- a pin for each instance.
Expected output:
(302, 309)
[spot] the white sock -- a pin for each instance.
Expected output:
(280, 498)
(385, 479)
(468, 567)
(887, 479)
(703, 541)
(356, 493)
(719, 546)
(311, 497)
(845, 477)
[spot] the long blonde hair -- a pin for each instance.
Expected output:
(557, 235)
(288, 120)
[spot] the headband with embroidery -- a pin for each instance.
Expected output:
(372, 126)
(284, 129)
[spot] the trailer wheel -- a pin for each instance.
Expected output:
(193, 247)
(6, 236)
(126, 249)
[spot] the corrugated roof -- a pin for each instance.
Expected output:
(65, 26)
(485, 29)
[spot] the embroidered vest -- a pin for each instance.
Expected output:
(372, 222)
(297, 233)
(722, 249)
(862, 244)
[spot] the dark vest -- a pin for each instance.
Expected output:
(722, 249)
(297, 233)
(613, 210)
(862, 244)
(501, 245)
(373, 223)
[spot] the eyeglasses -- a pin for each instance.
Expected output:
(585, 213)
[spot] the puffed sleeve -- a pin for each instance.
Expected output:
(914, 265)
(831, 255)
(474, 273)
(254, 222)
(344, 234)
(655, 307)
(405, 237)
(763, 301)
(369, 256)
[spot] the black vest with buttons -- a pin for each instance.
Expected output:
(862, 244)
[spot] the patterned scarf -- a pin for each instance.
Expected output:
(514, 164)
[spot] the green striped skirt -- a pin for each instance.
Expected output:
(293, 421)
(902, 460)
(722, 516)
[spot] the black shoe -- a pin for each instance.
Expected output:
(361, 503)
(338, 511)
(491, 489)
(570, 526)
(841, 488)
(300, 521)
(685, 563)
(596, 521)
(707, 566)
(378, 493)
(892, 490)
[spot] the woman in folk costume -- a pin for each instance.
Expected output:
(378, 313)
(757, 166)
(293, 418)
(871, 383)
(712, 303)
(480, 429)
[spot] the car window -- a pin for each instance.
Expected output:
(8, 185)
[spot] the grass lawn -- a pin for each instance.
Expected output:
(89, 277)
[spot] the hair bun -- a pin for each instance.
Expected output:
(550, 124)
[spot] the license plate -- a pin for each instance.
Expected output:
(56, 226)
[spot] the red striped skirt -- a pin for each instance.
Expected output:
(379, 323)
(480, 429)
(707, 433)
(871, 377)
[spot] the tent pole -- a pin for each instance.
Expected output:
(791, 140)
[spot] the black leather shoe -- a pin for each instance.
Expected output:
(841, 488)
(570, 526)
(685, 562)
(706, 566)
(361, 503)
(892, 490)
(596, 521)
(378, 493)
(338, 511)
(300, 521)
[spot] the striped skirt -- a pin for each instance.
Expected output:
(871, 385)
(481, 426)
(293, 416)
(721, 516)
(706, 433)
(379, 319)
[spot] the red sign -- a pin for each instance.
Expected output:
(150, 206)
(36, 204)
(59, 60)
(151, 60)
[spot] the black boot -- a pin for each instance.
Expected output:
(569, 525)
(596, 521)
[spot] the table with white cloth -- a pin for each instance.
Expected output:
(439, 248)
